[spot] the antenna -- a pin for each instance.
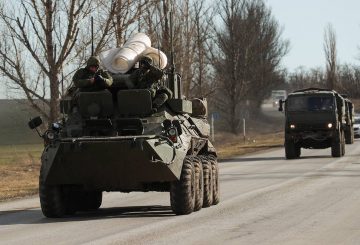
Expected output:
(92, 36)
(172, 64)
(175, 80)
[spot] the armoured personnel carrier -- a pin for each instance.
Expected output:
(315, 119)
(114, 140)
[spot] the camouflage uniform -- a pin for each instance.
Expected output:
(89, 81)
(147, 76)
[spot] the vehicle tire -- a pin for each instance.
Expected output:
(91, 200)
(215, 175)
(208, 182)
(290, 150)
(53, 199)
(298, 151)
(199, 184)
(182, 192)
(342, 143)
(336, 145)
(348, 138)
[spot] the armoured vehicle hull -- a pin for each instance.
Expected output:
(114, 140)
(113, 163)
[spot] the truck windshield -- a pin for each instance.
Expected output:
(310, 103)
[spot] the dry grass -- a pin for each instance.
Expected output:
(229, 146)
(19, 170)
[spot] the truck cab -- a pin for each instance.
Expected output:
(315, 119)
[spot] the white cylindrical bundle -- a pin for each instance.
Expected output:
(107, 57)
(157, 56)
(141, 38)
(120, 60)
(127, 57)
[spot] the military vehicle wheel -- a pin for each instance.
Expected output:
(298, 151)
(215, 175)
(90, 200)
(208, 182)
(199, 183)
(336, 148)
(53, 199)
(80, 200)
(290, 149)
(342, 143)
(94, 200)
(182, 192)
(348, 136)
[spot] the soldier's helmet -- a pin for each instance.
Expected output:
(145, 62)
(93, 61)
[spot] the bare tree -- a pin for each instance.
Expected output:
(192, 33)
(248, 64)
(348, 74)
(38, 40)
(45, 41)
(302, 78)
(330, 56)
(203, 81)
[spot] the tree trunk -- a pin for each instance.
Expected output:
(54, 98)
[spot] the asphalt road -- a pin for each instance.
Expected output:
(265, 199)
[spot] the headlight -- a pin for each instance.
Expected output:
(172, 134)
(292, 126)
(50, 135)
(329, 125)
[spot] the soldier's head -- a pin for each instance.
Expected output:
(93, 64)
(145, 62)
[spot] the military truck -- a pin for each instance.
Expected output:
(315, 119)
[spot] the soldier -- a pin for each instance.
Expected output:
(147, 76)
(92, 78)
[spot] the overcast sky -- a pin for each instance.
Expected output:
(304, 22)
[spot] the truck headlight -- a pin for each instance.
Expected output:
(292, 126)
(329, 125)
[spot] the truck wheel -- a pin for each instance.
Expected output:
(199, 184)
(336, 145)
(182, 192)
(290, 149)
(208, 182)
(53, 199)
(347, 132)
(215, 174)
(298, 151)
(342, 143)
